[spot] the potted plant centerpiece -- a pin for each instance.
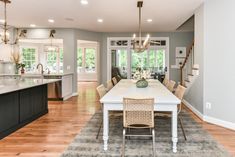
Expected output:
(141, 76)
(22, 66)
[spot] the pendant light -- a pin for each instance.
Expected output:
(51, 47)
(138, 45)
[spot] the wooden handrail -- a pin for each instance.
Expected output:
(185, 61)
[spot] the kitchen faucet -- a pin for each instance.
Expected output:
(40, 64)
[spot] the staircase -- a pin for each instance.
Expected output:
(189, 70)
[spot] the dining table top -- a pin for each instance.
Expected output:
(126, 88)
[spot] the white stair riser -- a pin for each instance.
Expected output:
(195, 72)
(190, 78)
(196, 66)
(187, 84)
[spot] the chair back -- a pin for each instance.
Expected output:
(179, 93)
(109, 85)
(171, 85)
(114, 80)
(138, 113)
(165, 81)
(101, 90)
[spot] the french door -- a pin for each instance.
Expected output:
(121, 56)
(87, 63)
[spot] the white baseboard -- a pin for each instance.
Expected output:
(209, 119)
(198, 113)
(75, 94)
(220, 122)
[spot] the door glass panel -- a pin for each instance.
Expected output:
(160, 57)
(152, 59)
(119, 63)
(79, 60)
(139, 60)
(90, 60)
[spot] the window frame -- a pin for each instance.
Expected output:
(29, 47)
(84, 47)
(58, 61)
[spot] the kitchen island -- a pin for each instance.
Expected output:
(62, 90)
(21, 102)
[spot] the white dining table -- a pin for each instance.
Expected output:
(164, 101)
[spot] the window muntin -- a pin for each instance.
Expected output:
(29, 58)
(90, 60)
(86, 60)
(55, 61)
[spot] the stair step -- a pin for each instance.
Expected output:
(196, 66)
(187, 81)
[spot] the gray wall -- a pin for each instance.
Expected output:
(195, 95)
(70, 37)
(177, 39)
(219, 73)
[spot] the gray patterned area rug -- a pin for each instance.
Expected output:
(199, 143)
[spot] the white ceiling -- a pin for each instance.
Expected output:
(118, 15)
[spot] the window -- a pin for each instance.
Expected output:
(119, 60)
(29, 58)
(139, 60)
(157, 59)
(86, 60)
(90, 60)
(55, 61)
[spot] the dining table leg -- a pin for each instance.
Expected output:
(105, 127)
(174, 129)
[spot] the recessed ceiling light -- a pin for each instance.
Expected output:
(32, 25)
(69, 19)
(2, 21)
(51, 20)
(100, 20)
(84, 2)
(149, 20)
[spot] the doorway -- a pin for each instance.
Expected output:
(87, 61)
(123, 61)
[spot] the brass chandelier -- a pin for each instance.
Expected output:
(138, 45)
(4, 33)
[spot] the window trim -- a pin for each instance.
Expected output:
(84, 47)
(29, 47)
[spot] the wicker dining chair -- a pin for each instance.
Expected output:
(101, 91)
(165, 81)
(138, 114)
(114, 81)
(109, 85)
(179, 93)
(170, 85)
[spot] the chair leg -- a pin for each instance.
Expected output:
(123, 142)
(98, 133)
(181, 124)
(154, 149)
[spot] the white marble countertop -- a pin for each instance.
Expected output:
(37, 74)
(11, 85)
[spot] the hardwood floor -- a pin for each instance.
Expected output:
(51, 134)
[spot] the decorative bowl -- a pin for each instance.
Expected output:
(143, 83)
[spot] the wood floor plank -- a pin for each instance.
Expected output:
(49, 135)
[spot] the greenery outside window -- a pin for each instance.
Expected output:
(55, 61)
(29, 58)
(86, 60)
